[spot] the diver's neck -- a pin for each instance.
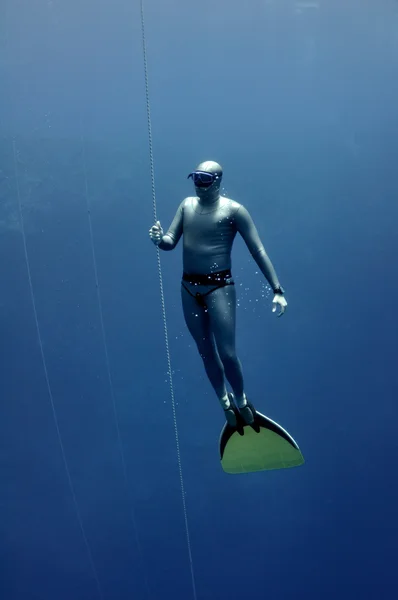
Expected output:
(208, 200)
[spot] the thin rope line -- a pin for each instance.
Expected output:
(108, 367)
(166, 336)
(49, 390)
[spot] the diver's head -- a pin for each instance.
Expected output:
(207, 180)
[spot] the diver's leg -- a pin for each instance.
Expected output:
(197, 320)
(221, 305)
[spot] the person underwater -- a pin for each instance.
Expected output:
(209, 223)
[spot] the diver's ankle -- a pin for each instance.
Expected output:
(241, 401)
(224, 401)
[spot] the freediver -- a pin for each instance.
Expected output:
(209, 223)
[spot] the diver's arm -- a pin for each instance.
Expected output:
(248, 231)
(170, 240)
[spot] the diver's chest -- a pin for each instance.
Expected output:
(209, 224)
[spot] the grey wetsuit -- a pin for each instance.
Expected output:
(208, 293)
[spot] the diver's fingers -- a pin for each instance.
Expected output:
(154, 232)
(281, 303)
(283, 306)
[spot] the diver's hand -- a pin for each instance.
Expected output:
(156, 233)
(280, 301)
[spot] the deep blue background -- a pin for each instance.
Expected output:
(298, 101)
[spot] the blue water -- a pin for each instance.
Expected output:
(298, 101)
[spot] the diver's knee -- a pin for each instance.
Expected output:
(229, 357)
(206, 352)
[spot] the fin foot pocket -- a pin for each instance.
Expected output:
(230, 415)
(249, 416)
(233, 416)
